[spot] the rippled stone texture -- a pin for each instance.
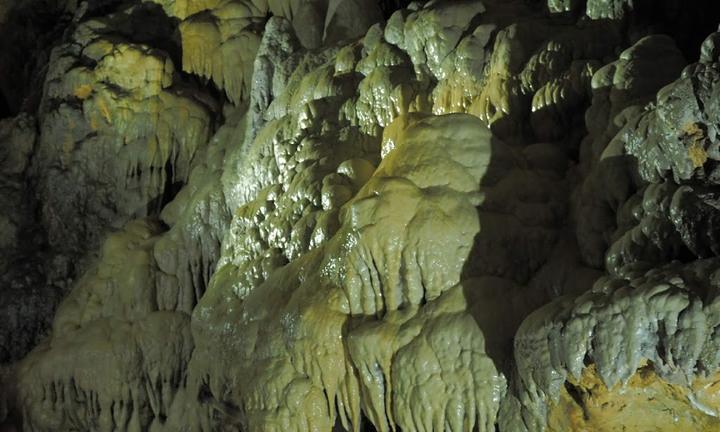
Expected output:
(356, 215)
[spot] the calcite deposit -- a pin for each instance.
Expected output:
(359, 215)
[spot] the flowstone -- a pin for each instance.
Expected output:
(355, 215)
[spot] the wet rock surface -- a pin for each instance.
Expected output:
(358, 215)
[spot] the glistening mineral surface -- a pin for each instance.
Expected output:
(359, 215)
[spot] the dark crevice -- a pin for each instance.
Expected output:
(27, 36)
(204, 92)
(152, 26)
(204, 393)
(388, 7)
(172, 187)
(576, 397)
(100, 8)
(687, 25)
(660, 346)
(367, 426)
(4, 108)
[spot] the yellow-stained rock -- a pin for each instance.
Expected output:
(646, 402)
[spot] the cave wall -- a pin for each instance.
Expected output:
(351, 215)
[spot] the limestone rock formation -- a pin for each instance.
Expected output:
(355, 215)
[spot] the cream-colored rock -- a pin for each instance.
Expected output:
(390, 87)
(112, 374)
(198, 217)
(463, 72)
(120, 285)
(362, 271)
(431, 33)
(221, 45)
(457, 384)
(182, 9)
(121, 126)
(666, 406)
(655, 319)
(221, 40)
(381, 230)
(402, 223)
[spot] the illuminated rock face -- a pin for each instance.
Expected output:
(350, 215)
